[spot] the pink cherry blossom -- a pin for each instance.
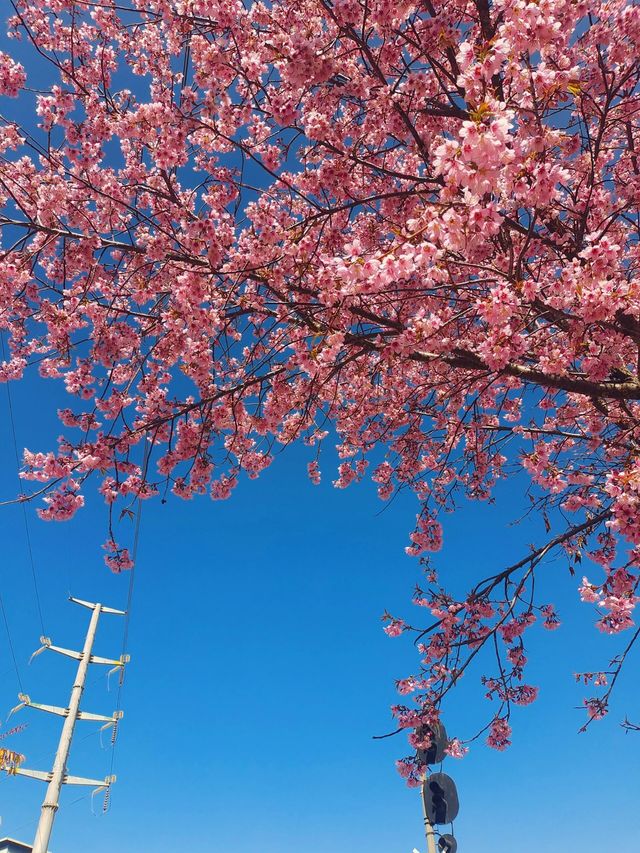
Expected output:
(456, 749)
(12, 76)
(394, 628)
(499, 734)
(405, 231)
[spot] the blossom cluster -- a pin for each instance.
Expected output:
(406, 229)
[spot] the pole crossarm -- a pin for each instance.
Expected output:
(122, 660)
(46, 776)
(25, 702)
(100, 718)
(46, 644)
(103, 609)
(71, 653)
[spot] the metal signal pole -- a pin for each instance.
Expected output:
(58, 776)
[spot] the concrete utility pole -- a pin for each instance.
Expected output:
(58, 776)
(428, 828)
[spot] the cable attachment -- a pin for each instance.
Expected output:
(108, 782)
(24, 701)
(113, 725)
(46, 644)
(114, 734)
(124, 660)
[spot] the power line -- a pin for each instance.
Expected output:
(27, 534)
(2, 605)
(10, 642)
(132, 578)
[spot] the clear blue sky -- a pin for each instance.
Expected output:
(260, 673)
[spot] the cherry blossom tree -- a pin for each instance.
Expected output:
(408, 229)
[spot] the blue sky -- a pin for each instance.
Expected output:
(260, 672)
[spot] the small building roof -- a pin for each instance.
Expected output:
(13, 846)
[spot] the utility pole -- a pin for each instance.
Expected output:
(58, 776)
(428, 828)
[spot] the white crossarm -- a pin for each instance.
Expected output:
(103, 608)
(107, 661)
(69, 653)
(100, 718)
(41, 776)
(26, 702)
(50, 709)
(91, 783)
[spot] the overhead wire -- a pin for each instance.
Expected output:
(127, 621)
(127, 618)
(28, 542)
(47, 756)
(34, 821)
(27, 533)
(10, 642)
(131, 586)
(3, 608)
